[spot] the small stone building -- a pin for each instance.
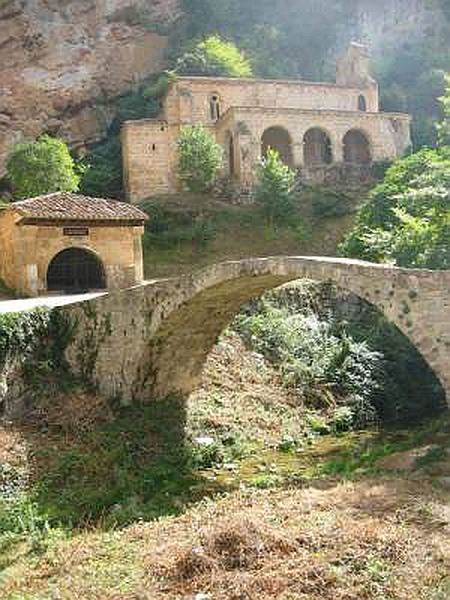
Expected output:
(68, 243)
(325, 131)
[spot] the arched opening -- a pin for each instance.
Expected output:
(362, 103)
(75, 270)
(230, 155)
(356, 148)
(317, 148)
(214, 107)
(278, 139)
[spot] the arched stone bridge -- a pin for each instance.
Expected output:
(152, 340)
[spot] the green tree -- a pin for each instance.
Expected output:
(214, 57)
(274, 190)
(407, 219)
(444, 127)
(200, 159)
(41, 167)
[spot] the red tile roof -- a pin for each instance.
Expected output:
(65, 206)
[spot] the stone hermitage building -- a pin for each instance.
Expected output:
(323, 130)
(65, 242)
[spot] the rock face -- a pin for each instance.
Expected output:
(63, 62)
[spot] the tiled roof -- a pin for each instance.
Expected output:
(65, 206)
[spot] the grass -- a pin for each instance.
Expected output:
(369, 540)
(231, 493)
(188, 231)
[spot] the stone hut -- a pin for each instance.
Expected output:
(328, 132)
(69, 243)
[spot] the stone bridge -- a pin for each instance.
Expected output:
(153, 339)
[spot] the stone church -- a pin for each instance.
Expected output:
(322, 130)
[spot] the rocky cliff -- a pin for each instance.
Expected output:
(63, 62)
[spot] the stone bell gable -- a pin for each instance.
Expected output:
(318, 128)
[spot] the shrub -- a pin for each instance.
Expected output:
(200, 158)
(41, 167)
(407, 218)
(214, 57)
(444, 127)
(274, 190)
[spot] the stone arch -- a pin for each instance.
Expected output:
(215, 108)
(75, 269)
(357, 150)
(162, 332)
(279, 139)
(317, 147)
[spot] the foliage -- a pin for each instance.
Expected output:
(323, 367)
(200, 158)
(41, 167)
(213, 56)
(103, 174)
(444, 127)
(407, 219)
(274, 189)
(340, 359)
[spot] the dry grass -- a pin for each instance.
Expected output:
(237, 383)
(372, 540)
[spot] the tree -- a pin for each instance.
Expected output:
(274, 190)
(200, 158)
(41, 167)
(407, 219)
(214, 57)
(444, 127)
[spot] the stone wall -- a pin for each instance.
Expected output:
(159, 334)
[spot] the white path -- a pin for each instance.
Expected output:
(9, 306)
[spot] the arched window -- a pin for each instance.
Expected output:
(356, 148)
(317, 148)
(214, 107)
(75, 270)
(278, 139)
(362, 103)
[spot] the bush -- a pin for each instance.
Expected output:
(345, 360)
(41, 167)
(325, 368)
(200, 159)
(214, 57)
(274, 190)
(407, 218)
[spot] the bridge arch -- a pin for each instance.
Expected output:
(161, 333)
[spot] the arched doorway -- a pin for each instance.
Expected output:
(317, 148)
(278, 139)
(357, 148)
(75, 270)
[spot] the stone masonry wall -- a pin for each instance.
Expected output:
(30, 249)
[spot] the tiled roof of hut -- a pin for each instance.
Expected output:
(65, 206)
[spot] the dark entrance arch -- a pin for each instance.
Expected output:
(356, 148)
(317, 148)
(75, 270)
(278, 139)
